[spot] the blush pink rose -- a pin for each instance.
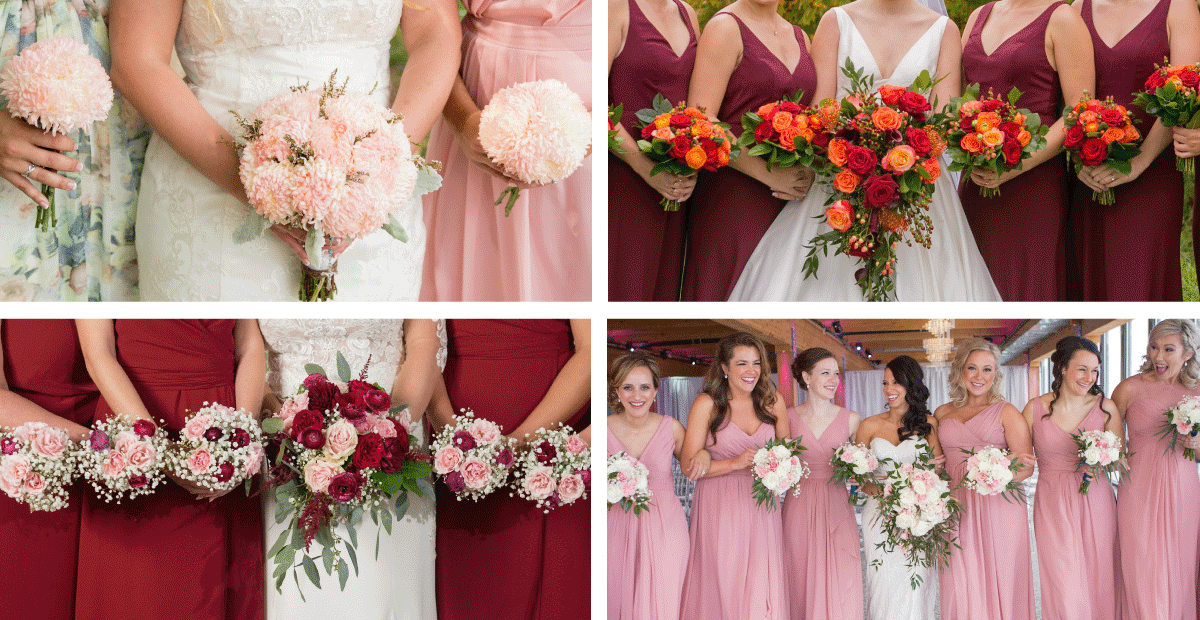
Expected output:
(34, 484)
(141, 456)
(114, 464)
(125, 442)
(255, 460)
(476, 473)
(50, 442)
(576, 445)
(195, 427)
(447, 460)
(318, 473)
(570, 488)
(484, 431)
(340, 440)
(199, 460)
(14, 469)
(385, 428)
(291, 407)
(8, 489)
(540, 483)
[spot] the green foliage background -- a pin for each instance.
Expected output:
(807, 13)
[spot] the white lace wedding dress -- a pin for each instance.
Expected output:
(398, 584)
(951, 270)
(889, 593)
(258, 50)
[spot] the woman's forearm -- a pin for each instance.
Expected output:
(16, 410)
(430, 33)
(419, 375)
(569, 391)
(250, 367)
(98, 341)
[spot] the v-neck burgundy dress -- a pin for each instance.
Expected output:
(730, 211)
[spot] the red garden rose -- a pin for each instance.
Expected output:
(1012, 152)
(1074, 138)
(1112, 117)
(918, 140)
(789, 106)
(860, 160)
(648, 131)
(1010, 129)
(991, 105)
(820, 139)
(314, 380)
(378, 401)
(1189, 78)
(680, 147)
(680, 121)
(1093, 152)
(359, 387)
(344, 487)
(881, 191)
(369, 451)
(763, 132)
(915, 104)
(305, 420)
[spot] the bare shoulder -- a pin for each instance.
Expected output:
(932, 420)
(944, 410)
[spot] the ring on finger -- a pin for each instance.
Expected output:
(28, 171)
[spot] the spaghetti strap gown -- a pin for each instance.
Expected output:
(531, 565)
(43, 364)
(648, 553)
(730, 211)
(645, 243)
(1158, 512)
(168, 555)
(736, 569)
(990, 577)
(1124, 255)
(1022, 232)
(543, 250)
(820, 540)
(1076, 534)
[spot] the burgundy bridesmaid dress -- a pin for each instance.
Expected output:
(169, 554)
(730, 212)
(645, 243)
(43, 363)
(1022, 232)
(502, 558)
(1129, 251)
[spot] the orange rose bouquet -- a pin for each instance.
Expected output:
(1098, 133)
(682, 140)
(614, 117)
(785, 133)
(989, 132)
(1171, 95)
(881, 164)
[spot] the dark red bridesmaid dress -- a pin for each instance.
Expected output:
(169, 554)
(502, 558)
(43, 363)
(1022, 232)
(1129, 251)
(730, 212)
(645, 243)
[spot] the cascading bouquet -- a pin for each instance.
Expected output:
(785, 133)
(339, 451)
(628, 484)
(37, 465)
(1100, 453)
(990, 471)
(882, 167)
(335, 164)
(1172, 93)
(855, 463)
(989, 132)
(537, 132)
(1182, 420)
(219, 448)
(57, 86)
(555, 470)
(776, 469)
(1100, 133)
(918, 514)
(124, 457)
(682, 140)
(472, 456)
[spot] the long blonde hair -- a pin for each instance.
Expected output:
(1189, 335)
(958, 391)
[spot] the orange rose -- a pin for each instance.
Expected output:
(662, 120)
(837, 151)
(933, 168)
(782, 120)
(702, 128)
(663, 133)
(694, 113)
(1019, 118)
(971, 144)
(787, 137)
(1092, 127)
(1113, 134)
(1131, 134)
(993, 137)
(724, 146)
(1094, 106)
(696, 158)
(1088, 117)
(886, 118)
(846, 181)
(766, 108)
(891, 94)
(839, 216)
(807, 134)
(1024, 137)
(800, 121)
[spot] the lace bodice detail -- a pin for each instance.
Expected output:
(906, 452)
(922, 56)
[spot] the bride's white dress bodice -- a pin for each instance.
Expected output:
(922, 56)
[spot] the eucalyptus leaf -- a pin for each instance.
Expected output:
(394, 228)
(343, 368)
(314, 369)
(343, 572)
(280, 543)
(327, 560)
(310, 569)
(272, 425)
(426, 487)
(296, 578)
(350, 551)
(325, 537)
(401, 505)
(286, 557)
(386, 517)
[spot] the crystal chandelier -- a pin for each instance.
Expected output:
(940, 328)
(939, 349)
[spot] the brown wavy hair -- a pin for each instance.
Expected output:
(716, 384)
(621, 367)
(805, 362)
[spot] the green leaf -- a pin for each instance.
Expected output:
(297, 537)
(353, 553)
(280, 543)
(1014, 95)
(386, 516)
(296, 578)
(661, 104)
(343, 368)
(343, 572)
(401, 506)
(314, 369)
(272, 425)
(416, 469)
(397, 409)
(285, 559)
(425, 487)
(394, 228)
(310, 569)
(327, 560)
(390, 484)
(645, 116)
(324, 537)
(759, 150)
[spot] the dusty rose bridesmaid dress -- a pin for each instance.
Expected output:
(990, 577)
(648, 553)
(1076, 533)
(820, 535)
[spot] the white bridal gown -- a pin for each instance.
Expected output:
(951, 270)
(398, 584)
(260, 49)
(889, 592)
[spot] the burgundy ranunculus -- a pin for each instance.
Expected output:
(213, 434)
(680, 146)
(224, 472)
(314, 380)
(505, 457)
(313, 439)
(359, 387)
(860, 160)
(1093, 152)
(321, 396)
(377, 401)
(463, 441)
(919, 141)
(369, 451)
(282, 474)
(241, 438)
(144, 428)
(8, 446)
(138, 481)
(915, 104)
(881, 191)
(763, 132)
(393, 456)
(344, 487)
(99, 440)
(1074, 138)
(585, 475)
(1012, 152)
(1189, 78)
(304, 420)
(351, 406)
(1112, 117)
(991, 105)
(455, 482)
(545, 452)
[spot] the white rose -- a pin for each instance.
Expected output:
(614, 493)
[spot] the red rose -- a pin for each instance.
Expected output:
(680, 121)
(378, 401)
(1012, 152)
(344, 487)
(680, 147)
(351, 406)
(369, 451)
(321, 396)
(1093, 152)
(225, 472)
(1074, 138)
(144, 428)
(1010, 129)
(304, 420)
(1159, 81)
(1112, 117)
(860, 160)
(1189, 78)
(919, 141)
(648, 131)
(763, 132)
(820, 139)
(881, 191)
(991, 105)
(914, 103)
(788, 106)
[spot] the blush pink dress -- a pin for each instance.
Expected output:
(736, 568)
(990, 577)
(1158, 511)
(1076, 533)
(543, 250)
(648, 553)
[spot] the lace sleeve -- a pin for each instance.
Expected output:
(441, 354)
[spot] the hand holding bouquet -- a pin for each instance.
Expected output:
(472, 456)
(990, 471)
(1100, 452)
(785, 133)
(219, 448)
(628, 484)
(1182, 419)
(124, 457)
(614, 117)
(1171, 94)
(682, 140)
(992, 133)
(853, 462)
(918, 514)
(37, 465)
(1100, 133)
(555, 470)
(777, 468)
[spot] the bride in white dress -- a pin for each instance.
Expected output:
(907, 39)
(398, 584)
(237, 54)
(890, 595)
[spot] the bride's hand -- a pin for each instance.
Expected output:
(294, 238)
(22, 145)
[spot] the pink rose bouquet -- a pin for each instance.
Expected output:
(472, 456)
(777, 468)
(628, 484)
(58, 86)
(219, 448)
(1100, 453)
(124, 457)
(1182, 419)
(537, 132)
(918, 514)
(990, 471)
(338, 450)
(555, 470)
(855, 463)
(37, 465)
(335, 164)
